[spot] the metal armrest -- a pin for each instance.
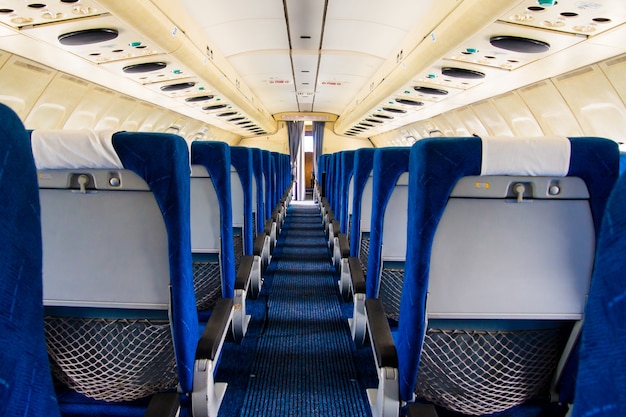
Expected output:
(352, 272)
(244, 280)
(207, 395)
(384, 400)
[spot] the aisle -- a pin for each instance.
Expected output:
(304, 363)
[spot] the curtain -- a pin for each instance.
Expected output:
(318, 141)
(295, 130)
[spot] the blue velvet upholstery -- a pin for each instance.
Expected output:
(241, 159)
(601, 382)
(162, 160)
(347, 167)
(25, 379)
(276, 172)
(363, 162)
(336, 186)
(215, 157)
(389, 164)
(257, 170)
(435, 167)
(269, 192)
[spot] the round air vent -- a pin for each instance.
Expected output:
(198, 99)
(519, 44)
(430, 90)
(409, 102)
(462, 73)
(88, 36)
(178, 86)
(393, 110)
(215, 107)
(144, 67)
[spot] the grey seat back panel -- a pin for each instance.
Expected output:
(395, 221)
(479, 271)
(205, 213)
(236, 191)
(78, 270)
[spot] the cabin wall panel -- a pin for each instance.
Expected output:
(118, 110)
(22, 82)
(459, 128)
(92, 106)
(491, 118)
(594, 102)
(614, 70)
(471, 121)
(517, 115)
(139, 113)
(57, 102)
(550, 109)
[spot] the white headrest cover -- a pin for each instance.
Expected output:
(73, 149)
(538, 156)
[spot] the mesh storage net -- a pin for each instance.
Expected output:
(110, 359)
(207, 284)
(482, 372)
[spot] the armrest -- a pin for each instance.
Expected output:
(259, 242)
(163, 404)
(421, 410)
(344, 246)
(380, 333)
(242, 279)
(267, 226)
(215, 329)
(357, 276)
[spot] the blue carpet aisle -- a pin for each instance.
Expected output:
(304, 363)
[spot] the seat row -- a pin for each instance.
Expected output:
(469, 262)
(127, 247)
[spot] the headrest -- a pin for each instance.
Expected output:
(74, 149)
(538, 156)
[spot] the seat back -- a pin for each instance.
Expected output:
(212, 242)
(347, 168)
(387, 239)
(117, 261)
(510, 238)
(242, 180)
(601, 380)
(258, 190)
(26, 387)
(361, 204)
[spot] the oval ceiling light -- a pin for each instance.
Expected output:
(462, 73)
(88, 36)
(144, 67)
(198, 99)
(215, 107)
(430, 90)
(519, 44)
(178, 86)
(394, 110)
(409, 102)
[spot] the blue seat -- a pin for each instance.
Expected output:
(26, 387)
(479, 283)
(601, 381)
(212, 235)
(117, 266)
